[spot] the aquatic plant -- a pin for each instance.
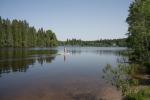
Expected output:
(143, 94)
(121, 77)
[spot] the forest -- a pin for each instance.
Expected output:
(95, 43)
(136, 87)
(18, 33)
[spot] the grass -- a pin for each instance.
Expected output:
(143, 94)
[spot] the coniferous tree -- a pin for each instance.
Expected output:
(9, 36)
(17, 33)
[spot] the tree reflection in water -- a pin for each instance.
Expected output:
(18, 60)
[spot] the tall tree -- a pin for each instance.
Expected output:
(17, 33)
(9, 35)
(1, 33)
(139, 29)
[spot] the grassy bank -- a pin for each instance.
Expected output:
(141, 94)
(130, 79)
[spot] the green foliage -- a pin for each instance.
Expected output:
(96, 43)
(143, 94)
(17, 33)
(121, 76)
(139, 29)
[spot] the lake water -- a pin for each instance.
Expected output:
(49, 74)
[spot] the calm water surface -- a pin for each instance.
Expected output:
(48, 74)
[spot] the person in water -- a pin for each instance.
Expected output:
(65, 50)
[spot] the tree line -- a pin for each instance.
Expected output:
(139, 30)
(96, 43)
(18, 33)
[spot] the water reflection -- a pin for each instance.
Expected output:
(74, 51)
(96, 50)
(18, 60)
(64, 58)
(75, 75)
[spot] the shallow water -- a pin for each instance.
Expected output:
(49, 74)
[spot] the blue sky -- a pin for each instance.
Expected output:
(81, 19)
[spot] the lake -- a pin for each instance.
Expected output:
(49, 74)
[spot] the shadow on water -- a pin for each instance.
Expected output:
(18, 60)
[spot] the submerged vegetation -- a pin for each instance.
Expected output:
(121, 77)
(17, 33)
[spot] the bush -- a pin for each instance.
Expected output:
(143, 94)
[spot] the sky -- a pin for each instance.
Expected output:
(81, 19)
